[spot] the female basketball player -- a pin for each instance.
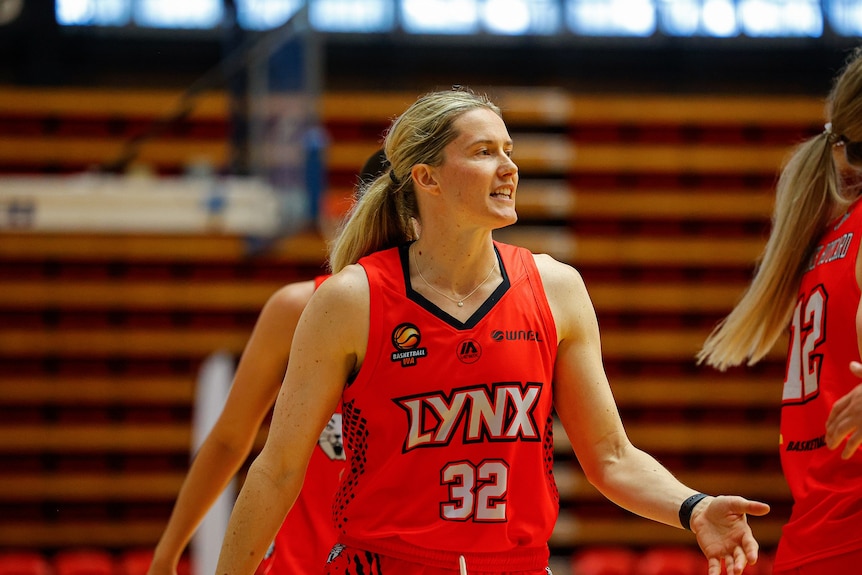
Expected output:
(256, 383)
(809, 277)
(449, 353)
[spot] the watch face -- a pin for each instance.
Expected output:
(9, 10)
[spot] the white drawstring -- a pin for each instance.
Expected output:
(462, 563)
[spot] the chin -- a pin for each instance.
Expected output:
(504, 222)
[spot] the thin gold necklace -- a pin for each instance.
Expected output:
(459, 302)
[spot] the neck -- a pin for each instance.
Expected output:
(471, 275)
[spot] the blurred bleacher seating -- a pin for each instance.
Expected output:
(661, 202)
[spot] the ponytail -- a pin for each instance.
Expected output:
(381, 218)
(805, 201)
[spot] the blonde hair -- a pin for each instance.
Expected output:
(383, 214)
(809, 193)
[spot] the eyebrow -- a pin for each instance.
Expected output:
(488, 141)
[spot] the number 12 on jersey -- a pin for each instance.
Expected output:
(807, 332)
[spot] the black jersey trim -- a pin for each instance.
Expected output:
(484, 309)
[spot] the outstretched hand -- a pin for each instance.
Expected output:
(723, 533)
(845, 419)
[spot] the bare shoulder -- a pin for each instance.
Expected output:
(344, 292)
(292, 297)
(336, 320)
(567, 296)
(557, 276)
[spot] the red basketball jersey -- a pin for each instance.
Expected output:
(448, 425)
(827, 512)
(304, 540)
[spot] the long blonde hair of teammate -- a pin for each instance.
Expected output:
(809, 193)
(386, 212)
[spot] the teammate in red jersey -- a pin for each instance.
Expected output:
(256, 384)
(449, 352)
(810, 277)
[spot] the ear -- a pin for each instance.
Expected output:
(424, 178)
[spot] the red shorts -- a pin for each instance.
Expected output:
(351, 561)
(840, 564)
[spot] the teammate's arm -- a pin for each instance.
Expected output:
(328, 347)
(845, 419)
(256, 383)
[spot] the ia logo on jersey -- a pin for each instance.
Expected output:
(405, 340)
(469, 351)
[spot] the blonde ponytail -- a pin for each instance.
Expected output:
(808, 194)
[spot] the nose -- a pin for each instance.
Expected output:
(508, 166)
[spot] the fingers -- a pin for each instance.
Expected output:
(856, 368)
(749, 507)
(730, 565)
(740, 559)
(853, 444)
(749, 549)
(844, 421)
(714, 566)
(839, 428)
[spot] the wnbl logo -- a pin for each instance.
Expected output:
(516, 335)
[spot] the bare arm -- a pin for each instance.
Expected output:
(626, 475)
(256, 384)
(328, 346)
(845, 419)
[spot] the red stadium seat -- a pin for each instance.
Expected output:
(134, 562)
(137, 562)
(23, 563)
(84, 562)
(604, 561)
(671, 561)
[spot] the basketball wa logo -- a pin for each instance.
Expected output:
(405, 340)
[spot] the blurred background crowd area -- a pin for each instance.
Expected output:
(166, 166)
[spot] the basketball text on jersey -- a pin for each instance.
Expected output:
(405, 339)
(833, 251)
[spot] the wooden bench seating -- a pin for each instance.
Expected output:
(138, 294)
(546, 152)
(607, 296)
(558, 155)
(300, 248)
(128, 437)
(556, 199)
(171, 155)
(310, 248)
(521, 105)
(105, 533)
(97, 390)
(768, 485)
(619, 250)
(573, 530)
(679, 344)
(122, 341)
